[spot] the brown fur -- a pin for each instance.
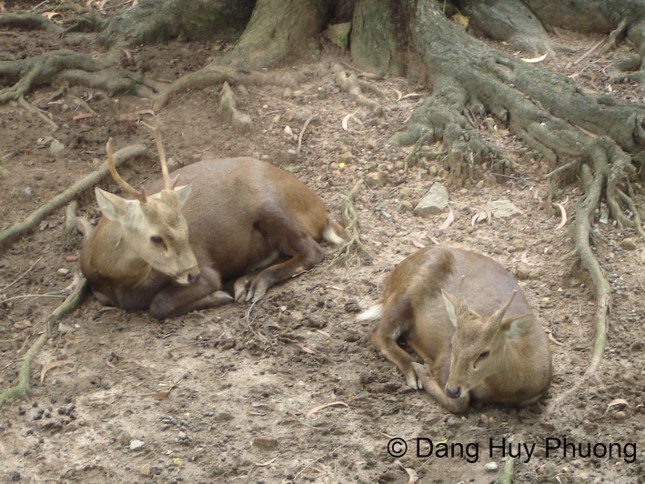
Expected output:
(517, 369)
(240, 213)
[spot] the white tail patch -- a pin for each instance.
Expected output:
(375, 312)
(330, 235)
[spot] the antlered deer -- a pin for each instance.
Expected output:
(169, 252)
(467, 318)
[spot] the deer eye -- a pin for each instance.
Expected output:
(156, 239)
(481, 358)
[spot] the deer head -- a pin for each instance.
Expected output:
(478, 343)
(152, 227)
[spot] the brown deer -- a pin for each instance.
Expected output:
(170, 252)
(467, 318)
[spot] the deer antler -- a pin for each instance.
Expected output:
(139, 195)
(169, 184)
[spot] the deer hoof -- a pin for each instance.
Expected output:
(421, 374)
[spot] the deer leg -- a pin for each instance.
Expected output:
(176, 300)
(301, 250)
(432, 387)
(394, 323)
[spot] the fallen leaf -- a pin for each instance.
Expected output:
(536, 59)
(50, 365)
(399, 95)
(412, 474)
(480, 216)
(563, 215)
(460, 19)
(418, 244)
(449, 219)
(306, 349)
(411, 95)
(82, 116)
(326, 405)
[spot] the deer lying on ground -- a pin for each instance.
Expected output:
(469, 321)
(170, 252)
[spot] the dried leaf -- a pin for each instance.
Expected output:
(449, 219)
(411, 95)
(536, 59)
(161, 395)
(460, 20)
(563, 215)
(399, 95)
(50, 365)
(417, 243)
(480, 216)
(617, 403)
(412, 474)
(51, 15)
(345, 122)
(306, 349)
(326, 405)
(82, 116)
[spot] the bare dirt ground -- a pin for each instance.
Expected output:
(247, 386)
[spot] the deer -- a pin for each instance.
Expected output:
(232, 218)
(465, 316)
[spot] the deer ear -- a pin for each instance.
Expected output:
(452, 306)
(183, 193)
(115, 208)
(112, 206)
(518, 325)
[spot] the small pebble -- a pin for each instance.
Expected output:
(136, 444)
(491, 466)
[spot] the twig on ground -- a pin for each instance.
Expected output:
(302, 132)
(23, 274)
(33, 109)
(73, 301)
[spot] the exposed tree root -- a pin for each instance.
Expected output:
(73, 301)
(593, 184)
(28, 21)
(69, 66)
(228, 112)
(352, 244)
(11, 235)
(351, 85)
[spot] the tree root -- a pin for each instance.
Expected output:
(228, 112)
(593, 184)
(28, 21)
(11, 235)
(195, 80)
(351, 85)
(71, 67)
(73, 301)
(352, 244)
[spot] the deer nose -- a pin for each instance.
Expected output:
(192, 278)
(453, 392)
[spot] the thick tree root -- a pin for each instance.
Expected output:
(28, 21)
(11, 235)
(71, 67)
(73, 301)
(351, 85)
